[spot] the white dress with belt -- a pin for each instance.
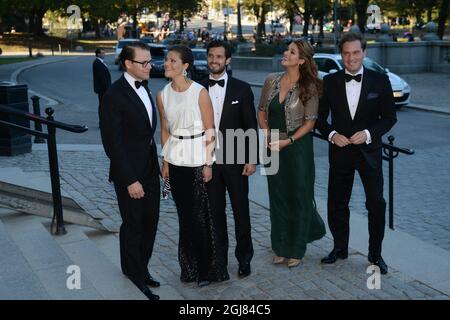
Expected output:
(186, 145)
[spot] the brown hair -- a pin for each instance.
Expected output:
(309, 83)
(127, 52)
(352, 36)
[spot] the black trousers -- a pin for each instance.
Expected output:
(228, 177)
(100, 96)
(138, 230)
(340, 184)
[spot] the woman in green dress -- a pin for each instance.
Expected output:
(289, 105)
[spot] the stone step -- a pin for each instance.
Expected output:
(105, 276)
(17, 280)
(46, 259)
(110, 246)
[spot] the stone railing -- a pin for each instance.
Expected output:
(399, 57)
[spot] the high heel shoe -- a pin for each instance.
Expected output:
(278, 260)
(293, 262)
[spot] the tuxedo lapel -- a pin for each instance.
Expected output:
(137, 102)
(366, 84)
(343, 96)
(226, 101)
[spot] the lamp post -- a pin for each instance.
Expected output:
(30, 50)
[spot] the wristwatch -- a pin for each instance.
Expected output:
(292, 139)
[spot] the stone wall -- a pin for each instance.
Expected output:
(399, 57)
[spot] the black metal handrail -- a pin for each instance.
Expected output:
(52, 125)
(391, 152)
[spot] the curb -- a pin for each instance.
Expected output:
(16, 74)
(428, 108)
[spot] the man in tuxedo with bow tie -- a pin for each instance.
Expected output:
(234, 111)
(127, 128)
(362, 111)
(101, 75)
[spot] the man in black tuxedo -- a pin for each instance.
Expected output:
(102, 77)
(232, 101)
(362, 111)
(127, 128)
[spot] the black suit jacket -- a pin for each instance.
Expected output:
(238, 113)
(127, 135)
(375, 112)
(102, 77)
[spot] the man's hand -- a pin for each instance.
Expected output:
(359, 137)
(340, 140)
(249, 169)
(136, 191)
(279, 145)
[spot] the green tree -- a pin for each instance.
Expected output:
(33, 10)
(260, 8)
(178, 9)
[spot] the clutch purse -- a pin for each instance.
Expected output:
(166, 189)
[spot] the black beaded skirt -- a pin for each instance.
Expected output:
(197, 250)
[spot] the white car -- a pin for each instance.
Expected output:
(120, 44)
(329, 63)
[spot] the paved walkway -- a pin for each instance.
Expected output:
(84, 177)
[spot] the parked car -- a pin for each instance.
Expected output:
(120, 44)
(329, 63)
(200, 68)
(158, 53)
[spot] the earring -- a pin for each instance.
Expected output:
(184, 72)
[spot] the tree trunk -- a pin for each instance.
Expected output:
(239, 23)
(96, 26)
(181, 21)
(321, 23)
(291, 23)
(443, 14)
(361, 9)
(261, 26)
(306, 17)
(39, 15)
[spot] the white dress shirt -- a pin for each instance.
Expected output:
(217, 95)
(353, 92)
(142, 93)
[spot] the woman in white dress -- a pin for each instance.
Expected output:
(187, 138)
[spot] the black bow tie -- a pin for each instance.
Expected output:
(349, 77)
(138, 84)
(213, 82)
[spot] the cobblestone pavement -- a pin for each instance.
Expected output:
(422, 194)
(84, 176)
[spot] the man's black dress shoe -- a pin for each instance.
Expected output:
(334, 255)
(148, 293)
(151, 282)
(244, 270)
(378, 261)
